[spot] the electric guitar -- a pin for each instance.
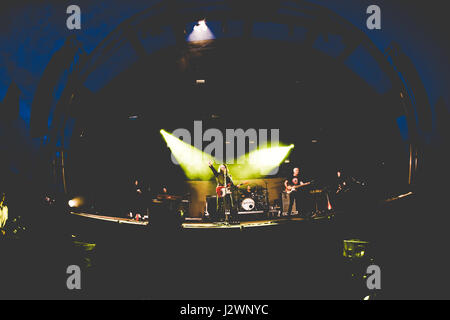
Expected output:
(290, 189)
(222, 191)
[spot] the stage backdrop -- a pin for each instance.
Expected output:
(200, 189)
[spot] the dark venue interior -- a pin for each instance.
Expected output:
(343, 105)
(339, 122)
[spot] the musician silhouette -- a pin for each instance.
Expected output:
(297, 195)
(225, 201)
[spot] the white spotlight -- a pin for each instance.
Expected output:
(72, 203)
(201, 26)
(201, 32)
(76, 202)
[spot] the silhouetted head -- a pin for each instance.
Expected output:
(223, 168)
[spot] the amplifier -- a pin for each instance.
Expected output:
(211, 207)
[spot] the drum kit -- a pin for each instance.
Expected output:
(253, 201)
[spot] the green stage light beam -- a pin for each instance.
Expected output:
(261, 162)
(192, 161)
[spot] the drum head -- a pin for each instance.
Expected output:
(248, 204)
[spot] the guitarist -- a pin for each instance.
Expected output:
(226, 202)
(295, 184)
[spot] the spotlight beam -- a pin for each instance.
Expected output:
(262, 161)
(253, 165)
(192, 161)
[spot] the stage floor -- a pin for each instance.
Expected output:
(254, 223)
(109, 218)
(200, 224)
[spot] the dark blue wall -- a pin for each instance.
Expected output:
(30, 33)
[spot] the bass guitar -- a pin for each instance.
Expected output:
(290, 189)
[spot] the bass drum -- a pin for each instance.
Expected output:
(248, 204)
